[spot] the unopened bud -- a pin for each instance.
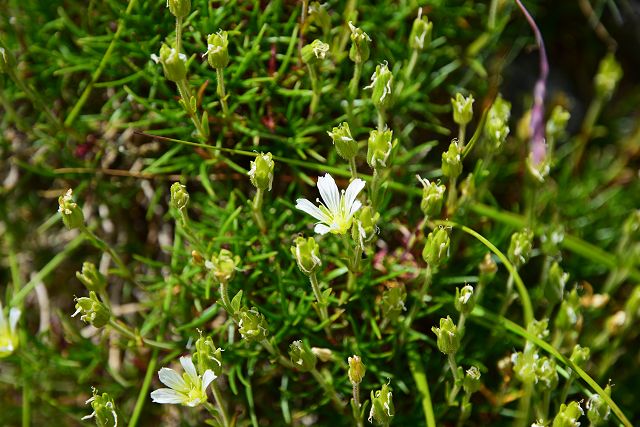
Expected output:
(324, 354)
(92, 310)
(556, 281)
(452, 161)
(465, 300)
(580, 355)
(381, 83)
(306, 252)
(462, 109)
(207, 356)
(546, 373)
(569, 313)
(432, 198)
(218, 49)
(356, 369)
(379, 148)
(436, 248)
(223, 265)
(608, 76)
(346, 146)
(364, 228)
(301, 356)
(72, 215)
(471, 382)
(252, 325)
(598, 409)
(420, 36)
(393, 300)
(179, 8)
(261, 172)
(314, 52)
(91, 278)
(173, 63)
(524, 366)
(382, 410)
(104, 410)
(448, 337)
(360, 42)
(520, 247)
(496, 128)
(179, 198)
(568, 415)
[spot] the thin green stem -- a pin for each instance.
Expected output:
(104, 246)
(329, 390)
(257, 210)
(462, 130)
(355, 80)
(525, 406)
(315, 88)
(493, 8)
(452, 196)
(124, 330)
(179, 34)
(222, 92)
(217, 395)
(142, 395)
(456, 381)
(381, 120)
(322, 305)
(416, 366)
(353, 168)
(185, 94)
(276, 354)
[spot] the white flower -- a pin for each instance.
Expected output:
(190, 389)
(8, 332)
(335, 212)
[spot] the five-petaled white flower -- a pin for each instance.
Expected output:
(335, 213)
(190, 389)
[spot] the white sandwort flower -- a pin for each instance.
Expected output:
(190, 389)
(335, 212)
(8, 332)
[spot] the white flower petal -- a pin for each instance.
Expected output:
(189, 368)
(172, 379)
(354, 208)
(14, 316)
(329, 192)
(207, 378)
(306, 206)
(321, 229)
(166, 395)
(352, 192)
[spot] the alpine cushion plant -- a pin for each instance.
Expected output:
(336, 210)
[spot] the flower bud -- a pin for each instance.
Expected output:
(223, 265)
(556, 281)
(598, 409)
(364, 228)
(432, 198)
(608, 76)
(471, 382)
(360, 42)
(452, 161)
(520, 247)
(546, 374)
(179, 8)
(393, 300)
(218, 50)
(448, 337)
(261, 172)
(91, 278)
(580, 355)
(356, 369)
(496, 127)
(207, 356)
(72, 215)
(104, 410)
(436, 248)
(551, 239)
(9, 338)
(306, 252)
(462, 109)
(324, 354)
(179, 197)
(301, 356)
(569, 313)
(568, 415)
(314, 52)
(488, 268)
(381, 82)
(346, 146)
(379, 148)
(93, 311)
(524, 366)
(420, 36)
(382, 410)
(557, 123)
(252, 325)
(173, 63)
(539, 328)
(465, 300)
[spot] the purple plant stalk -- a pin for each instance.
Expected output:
(538, 145)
